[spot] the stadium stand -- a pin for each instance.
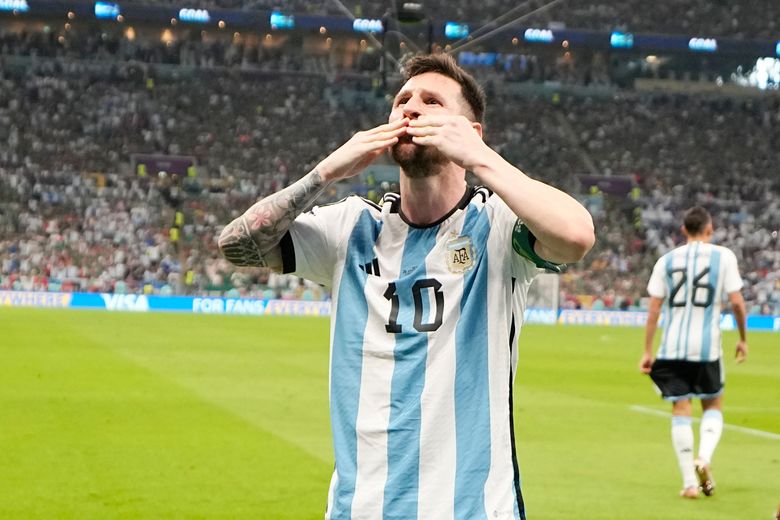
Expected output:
(75, 216)
(758, 19)
(93, 43)
(699, 17)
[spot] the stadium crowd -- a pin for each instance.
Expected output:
(686, 150)
(75, 216)
(191, 49)
(757, 19)
(94, 43)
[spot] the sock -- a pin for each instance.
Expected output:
(682, 440)
(711, 428)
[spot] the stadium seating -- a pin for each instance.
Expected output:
(755, 20)
(74, 216)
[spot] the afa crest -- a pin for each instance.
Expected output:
(460, 254)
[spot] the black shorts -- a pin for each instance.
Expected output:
(679, 379)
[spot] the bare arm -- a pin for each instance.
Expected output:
(253, 238)
(740, 315)
(562, 226)
(653, 312)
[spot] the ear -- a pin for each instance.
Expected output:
(684, 231)
(478, 127)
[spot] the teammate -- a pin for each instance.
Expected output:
(428, 298)
(689, 283)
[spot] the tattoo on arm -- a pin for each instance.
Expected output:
(237, 245)
(246, 240)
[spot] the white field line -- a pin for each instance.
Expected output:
(732, 427)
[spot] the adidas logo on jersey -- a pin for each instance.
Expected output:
(371, 267)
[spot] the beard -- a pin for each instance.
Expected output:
(417, 161)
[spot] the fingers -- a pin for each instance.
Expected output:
(385, 143)
(424, 136)
(396, 132)
(646, 364)
(430, 121)
(422, 130)
(394, 125)
(381, 141)
(424, 140)
(742, 352)
(374, 149)
(376, 138)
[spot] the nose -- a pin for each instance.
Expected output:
(413, 108)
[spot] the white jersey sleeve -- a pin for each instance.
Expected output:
(526, 264)
(657, 286)
(732, 281)
(317, 237)
(503, 221)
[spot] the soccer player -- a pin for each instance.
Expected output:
(428, 298)
(689, 283)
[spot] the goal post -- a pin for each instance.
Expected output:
(542, 300)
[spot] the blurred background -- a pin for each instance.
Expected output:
(130, 133)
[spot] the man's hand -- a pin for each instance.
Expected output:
(361, 150)
(454, 136)
(742, 351)
(646, 363)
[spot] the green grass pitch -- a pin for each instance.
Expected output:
(155, 416)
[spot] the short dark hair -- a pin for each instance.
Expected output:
(696, 219)
(446, 65)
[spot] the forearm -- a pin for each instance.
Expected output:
(653, 312)
(562, 226)
(650, 328)
(740, 316)
(248, 239)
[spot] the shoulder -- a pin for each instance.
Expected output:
(723, 250)
(680, 252)
(726, 254)
(483, 198)
(664, 259)
(501, 217)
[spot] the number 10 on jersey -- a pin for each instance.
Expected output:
(425, 286)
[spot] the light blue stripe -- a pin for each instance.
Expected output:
(663, 352)
(681, 420)
(683, 311)
(411, 354)
(472, 392)
(347, 361)
(706, 344)
(689, 307)
(712, 414)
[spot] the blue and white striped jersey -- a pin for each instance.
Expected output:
(693, 280)
(423, 354)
